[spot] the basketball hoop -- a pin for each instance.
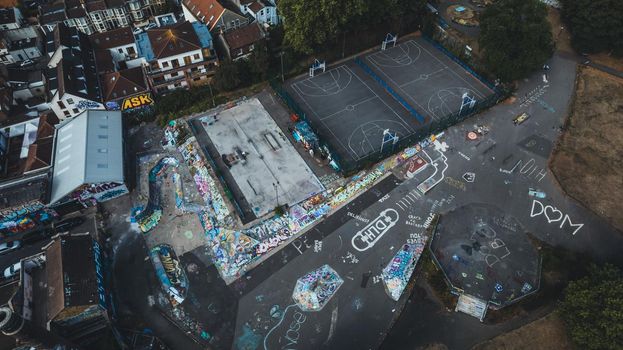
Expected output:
(389, 39)
(315, 66)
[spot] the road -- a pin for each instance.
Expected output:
(506, 163)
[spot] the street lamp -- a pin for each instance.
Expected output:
(276, 192)
(211, 94)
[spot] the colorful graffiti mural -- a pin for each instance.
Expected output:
(169, 271)
(24, 217)
(148, 217)
(397, 273)
(314, 290)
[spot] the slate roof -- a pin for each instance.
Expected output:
(112, 38)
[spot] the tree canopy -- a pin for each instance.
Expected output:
(515, 38)
(596, 25)
(593, 309)
(310, 25)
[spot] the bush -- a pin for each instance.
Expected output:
(593, 309)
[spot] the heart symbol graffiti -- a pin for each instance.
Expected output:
(551, 212)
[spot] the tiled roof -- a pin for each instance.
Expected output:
(206, 11)
(256, 7)
(243, 36)
(123, 83)
(173, 40)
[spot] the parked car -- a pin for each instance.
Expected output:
(12, 270)
(137, 31)
(521, 118)
(68, 224)
(151, 26)
(9, 246)
(26, 63)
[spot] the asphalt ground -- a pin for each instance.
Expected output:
(426, 78)
(358, 317)
(265, 314)
(486, 253)
(350, 110)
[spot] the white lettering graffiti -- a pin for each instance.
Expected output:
(358, 217)
(552, 215)
(384, 198)
(290, 339)
(500, 252)
(464, 156)
(369, 235)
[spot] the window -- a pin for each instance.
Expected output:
(103, 150)
(61, 104)
(66, 113)
(120, 50)
(102, 166)
(131, 50)
(75, 110)
(165, 64)
(196, 56)
(70, 101)
(102, 137)
(174, 74)
(187, 60)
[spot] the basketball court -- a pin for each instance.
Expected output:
(351, 111)
(428, 79)
(358, 116)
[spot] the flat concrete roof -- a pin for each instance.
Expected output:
(273, 172)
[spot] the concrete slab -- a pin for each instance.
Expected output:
(264, 164)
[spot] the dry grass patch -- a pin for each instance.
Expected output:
(546, 333)
(588, 161)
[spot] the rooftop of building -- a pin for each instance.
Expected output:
(112, 38)
(173, 40)
(7, 15)
(243, 36)
(123, 83)
(89, 150)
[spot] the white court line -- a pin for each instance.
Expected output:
(308, 81)
(325, 125)
(396, 84)
(420, 78)
(389, 58)
(457, 74)
(408, 127)
(354, 105)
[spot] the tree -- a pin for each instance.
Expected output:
(227, 76)
(593, 309)
(596, 25)
(515, 38)
(259, 62)
(312, 24)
